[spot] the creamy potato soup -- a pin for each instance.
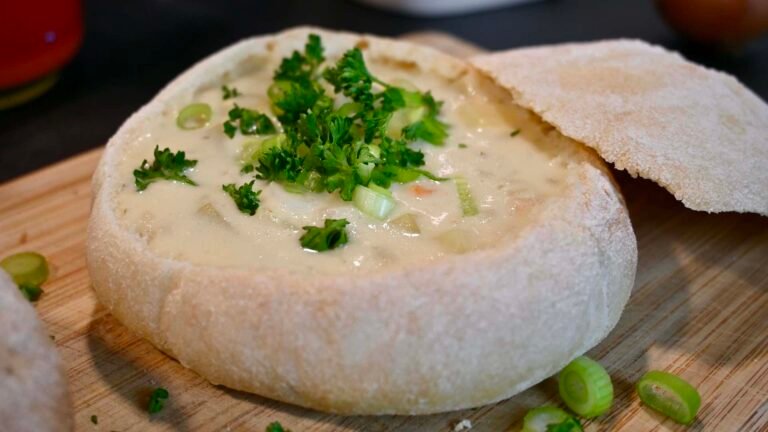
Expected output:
(496, 155)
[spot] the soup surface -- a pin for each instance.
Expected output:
(510, 161)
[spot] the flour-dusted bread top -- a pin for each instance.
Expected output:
(695, 131)
(33, 387)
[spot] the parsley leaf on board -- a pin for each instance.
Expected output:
(245, 198)
(571, 424)
(166, 166)
(157, 400)
(229, 92)
(31, 292)
(332, 235)
(276, 427)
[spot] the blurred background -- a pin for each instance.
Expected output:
(119, 53)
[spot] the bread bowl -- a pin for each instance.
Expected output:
(234, 297)
(33, 385)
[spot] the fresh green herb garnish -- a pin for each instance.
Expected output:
(157, 400)
(251, 122)
(229, 92)
(514, 133)
(276, 427)
(429, 128)
(571, 424)
(166, 166)
(462, 145)
(94, 419)
(330, 236)
(246, 199)
(328, 148)
(31, 292)
(550, 419)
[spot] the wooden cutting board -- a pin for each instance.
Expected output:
(699, 309)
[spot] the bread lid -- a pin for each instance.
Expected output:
(697, 132)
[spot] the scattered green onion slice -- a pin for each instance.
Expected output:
(372, 202)
(468, 205)
(586, 387)
(670, 395)
(26, 268)
(194, 116)
(549, 418)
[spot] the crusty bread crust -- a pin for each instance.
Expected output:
(467, 331)
(695, 131)
(33, 385)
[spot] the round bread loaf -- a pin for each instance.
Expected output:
(464, 331)
(33, 387)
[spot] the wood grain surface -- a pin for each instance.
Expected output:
(699, 309)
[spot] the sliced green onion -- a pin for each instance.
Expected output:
(468, 205)
(254, 149)
(549, 418)
(381, 190)
(194, 116)
(586, 387)
(670, 395)
(349, 109)
(364, 170)
(26, 268)
(373, 203)
(250, 150)
(294, 188)
(314, 182)
(375, 150)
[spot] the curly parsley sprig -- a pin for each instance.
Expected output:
(330, 236)
(245, 198)
(338, 148)
(248, 121)
(166, 166)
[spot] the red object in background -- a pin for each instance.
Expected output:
(716, 21)
(37, 37)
